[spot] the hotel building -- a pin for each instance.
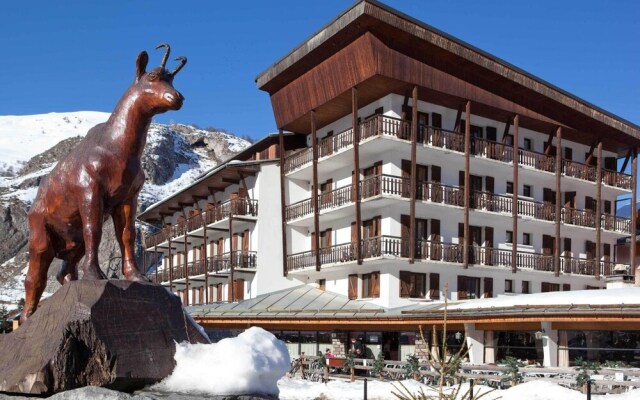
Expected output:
(407, 162)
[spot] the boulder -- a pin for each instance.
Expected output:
(116, 334)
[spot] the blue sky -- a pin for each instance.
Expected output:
(80, 55)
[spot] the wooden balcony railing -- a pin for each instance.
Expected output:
(215, 264)
(447, 252)
(453, 195)
(437, 137)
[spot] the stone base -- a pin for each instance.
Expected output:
(111, 333)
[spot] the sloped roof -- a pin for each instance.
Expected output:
(301, 301)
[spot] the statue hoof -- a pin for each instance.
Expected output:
(93, 275)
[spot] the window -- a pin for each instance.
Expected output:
(526, 239)
(510, 187)
(508, 286)
(371, 285)
(526, 190)
(412, 284)
(468, 287)
(527, 144)
(509, 238)
(322, 284)
(550, 287)
(525, 287)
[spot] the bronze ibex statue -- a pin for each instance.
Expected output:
(102, 176)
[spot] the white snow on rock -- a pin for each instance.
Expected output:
(251, 363)
(24, 136)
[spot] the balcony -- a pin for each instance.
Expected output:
(239, 260)
(435, 192)
(381, 126)
(236, 207)
(426, 250)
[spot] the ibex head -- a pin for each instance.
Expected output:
(155, 87)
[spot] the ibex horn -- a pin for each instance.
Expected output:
(166, 53)
(183, 61)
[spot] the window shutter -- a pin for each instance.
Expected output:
(436, 173)
(421, 283)
(434, 286)
(488, 241)
(462, 289)
(375, 284)
(488, 288)
(436, 120)
(353, 287)
(491, 133)
(489, 184)
(245, 241)
(239, 290)
(404, 283)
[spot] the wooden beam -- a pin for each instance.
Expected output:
(165, 214)
(186, 268)
(233, 181)
(214, 189)
(197, 198)
(155, 250)
(626, 161)
(599, 166)
(505, 134)
(590, 153)
(467, 179)
(184, 205)
(174, 209)
(170, 266)
(457, 126)
(634, 216)
(548, 143)
(219, 229)
(556, 250)
(314, 191)
(283, 202)
(514, 198)
(206, 262)
(232, 288)
(356, 173)
(414, 180)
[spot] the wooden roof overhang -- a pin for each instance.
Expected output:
(216, 180)
(520, 318)
(381, 50)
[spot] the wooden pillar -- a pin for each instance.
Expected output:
(283, 214)
(232, 262)
(205, 263)
(467, 191)
(356, 172)
(170, 265)
(516, 186)
(556, 250)
(144, 258)
(186, 268)
(598, 214)
(634, 218)
(155, 256)
(414, 181)
(314, 192)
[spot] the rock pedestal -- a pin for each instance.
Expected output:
(117, 334)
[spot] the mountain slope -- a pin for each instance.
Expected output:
(30, 146)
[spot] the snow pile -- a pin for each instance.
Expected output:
(296, 389)
(250, 363)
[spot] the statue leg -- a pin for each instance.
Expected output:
(41, 254)
(124, 224)
(91, 214)
(69, 269)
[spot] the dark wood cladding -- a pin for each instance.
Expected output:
(337, 75)
(446, 53)
(378, 70)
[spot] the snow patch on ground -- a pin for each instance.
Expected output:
(297, 389)
(252, 362)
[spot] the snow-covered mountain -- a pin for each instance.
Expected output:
(30, 146)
